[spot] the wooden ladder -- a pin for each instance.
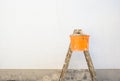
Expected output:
(88, 60)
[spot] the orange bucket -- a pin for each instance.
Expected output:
(79, 42)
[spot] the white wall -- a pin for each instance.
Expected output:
(35, 33)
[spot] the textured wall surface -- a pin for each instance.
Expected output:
(53, 75)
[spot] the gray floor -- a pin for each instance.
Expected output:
(53, 75)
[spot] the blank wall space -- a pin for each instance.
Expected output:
(35, 33)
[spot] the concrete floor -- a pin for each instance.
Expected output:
(53, 75)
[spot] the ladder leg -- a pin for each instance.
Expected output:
(66, 64)
(90, 65)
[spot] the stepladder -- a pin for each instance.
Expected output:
(82, 47)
